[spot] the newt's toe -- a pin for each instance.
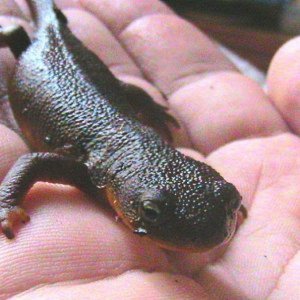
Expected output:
(21, 215)
(243, 210)
(9, 217)
(7, 229)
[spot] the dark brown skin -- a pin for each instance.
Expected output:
(88, 129)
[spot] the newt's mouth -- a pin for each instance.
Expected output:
(235, 223)
(232, 225)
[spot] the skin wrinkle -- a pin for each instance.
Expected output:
(66, 283)
(119, 37)
(277, 288)
(191, 77)
(234, 294)
(256, 188)
(153, 8)
(112, 273)
(282, 273)
(69, 282)
(255, 152)
(131, 273)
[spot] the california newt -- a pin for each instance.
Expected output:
(88, 129)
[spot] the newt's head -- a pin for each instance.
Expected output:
(186, 206)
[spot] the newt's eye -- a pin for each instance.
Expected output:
(150, 211)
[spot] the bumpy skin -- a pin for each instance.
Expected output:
(75, 114)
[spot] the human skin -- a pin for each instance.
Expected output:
(74, 248)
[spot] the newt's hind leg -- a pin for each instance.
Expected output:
(16, 38)
(148, 111)
(28, 170)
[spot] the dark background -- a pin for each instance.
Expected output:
(252, 28)
(264, 13)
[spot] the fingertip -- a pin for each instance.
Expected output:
(222, 107)
(192, 153)
(126, 10)
(284, 82)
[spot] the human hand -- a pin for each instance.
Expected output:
(75, 244)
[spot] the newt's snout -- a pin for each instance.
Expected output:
(200, 224)
(226, 216)
(190, 207)
(227, 194)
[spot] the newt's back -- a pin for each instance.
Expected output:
(62, 94)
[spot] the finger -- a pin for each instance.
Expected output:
(101, 41)
(266, 171)
(203, 92)
(224, 107)
(10, 8)
(132, 285)
(284, 82)
(127, 11)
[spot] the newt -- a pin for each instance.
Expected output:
(88, 129)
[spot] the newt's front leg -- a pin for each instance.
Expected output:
(28, 170)
(16, 38)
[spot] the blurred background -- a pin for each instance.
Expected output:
(254, 29)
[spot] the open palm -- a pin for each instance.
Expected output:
(74, 249)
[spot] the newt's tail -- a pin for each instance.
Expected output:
(43, 11)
